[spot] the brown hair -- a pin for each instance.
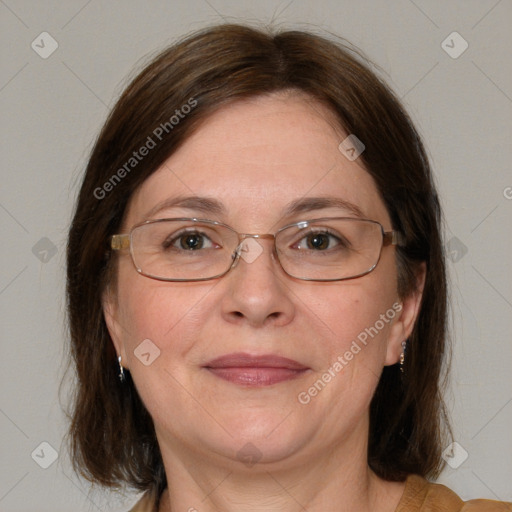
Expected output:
(112, 435)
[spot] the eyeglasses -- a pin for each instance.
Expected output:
(191, 249)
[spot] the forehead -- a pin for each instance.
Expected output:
(258, 156)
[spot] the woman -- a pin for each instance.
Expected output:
(256, 287)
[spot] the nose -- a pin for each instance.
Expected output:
(256, 291)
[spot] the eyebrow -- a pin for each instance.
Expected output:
(309, 204)
(213, 206)
(202, 204)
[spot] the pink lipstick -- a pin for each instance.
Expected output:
(247, 370)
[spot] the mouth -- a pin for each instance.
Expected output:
(258, 371)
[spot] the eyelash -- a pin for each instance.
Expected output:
(175, 237)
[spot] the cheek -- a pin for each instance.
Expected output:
(352, 321)
(353, 327)
(167, 314)
(161, 323)
(353, 309)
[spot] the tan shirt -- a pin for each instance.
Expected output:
(419, 496)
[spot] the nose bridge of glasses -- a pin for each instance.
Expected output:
(242, 237)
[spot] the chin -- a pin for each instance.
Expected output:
(256, 438)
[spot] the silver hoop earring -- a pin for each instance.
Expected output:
(122, 376)
(402, 356)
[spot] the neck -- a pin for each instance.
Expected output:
(340, 480)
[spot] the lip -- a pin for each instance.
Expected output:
(262, 370)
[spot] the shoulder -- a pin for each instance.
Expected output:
(421, 495)
(487, 506)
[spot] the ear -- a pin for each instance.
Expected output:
(403, 324)
(111, 313)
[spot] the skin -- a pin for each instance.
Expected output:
(256, 156)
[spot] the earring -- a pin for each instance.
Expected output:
(402, 356)
(122, 376)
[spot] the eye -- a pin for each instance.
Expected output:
(321, 240)
(188, 241)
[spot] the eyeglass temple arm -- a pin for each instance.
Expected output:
(393, 238)
(119, 242)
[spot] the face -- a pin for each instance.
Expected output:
(256, 157)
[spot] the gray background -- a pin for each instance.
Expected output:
(53, 108)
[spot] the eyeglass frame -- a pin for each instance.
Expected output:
(123, 241)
